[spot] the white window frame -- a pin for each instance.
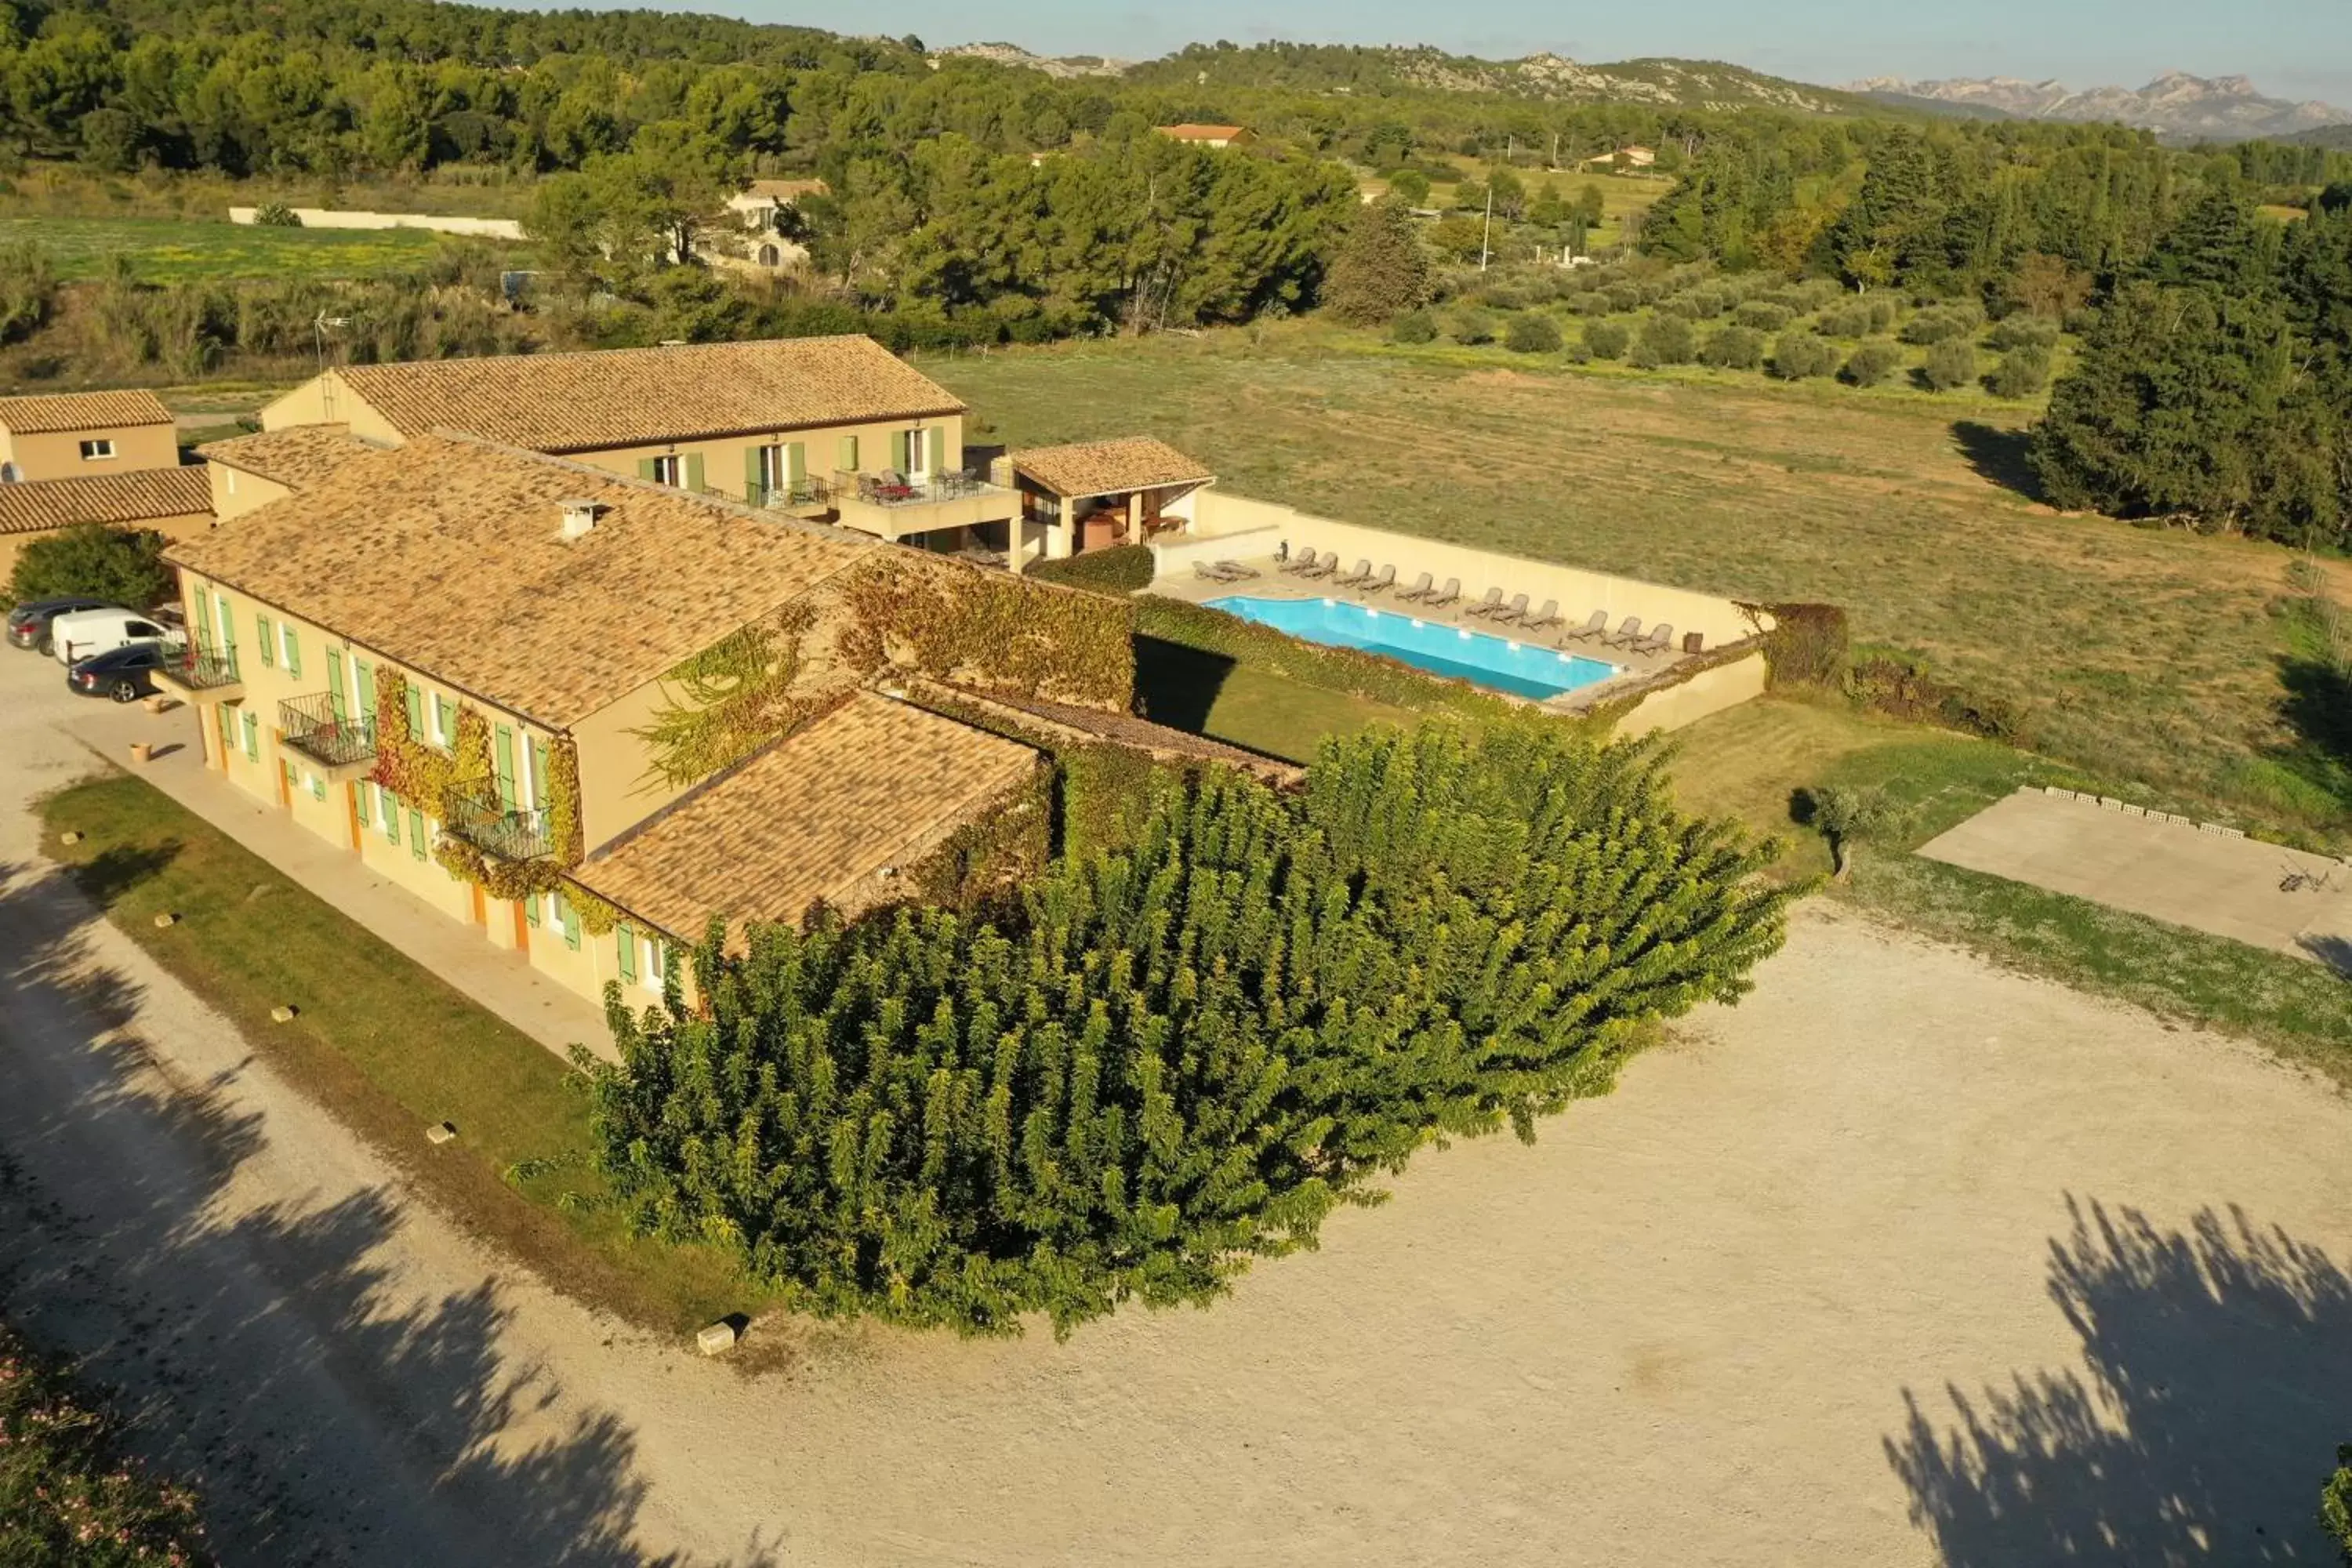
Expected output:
(287, 641)
(445, 735)
(98, 449)
(671, 469)
(649, 972)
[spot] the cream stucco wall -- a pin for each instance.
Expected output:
(57, 455)
(1227, 526)
(1710, 691)
(616, 791)
(237, 492)
(326, 400)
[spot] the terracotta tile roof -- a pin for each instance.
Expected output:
(142, 495)
(787, 190)
(446, 555)
(54, 414)
(299, 457)
(1190, 133)
(1103, 468)
(1127, 730)
(874, 783)
(628, 397)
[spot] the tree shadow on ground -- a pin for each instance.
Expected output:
(327, 1411)
(1999, 455)
(2198, 1430)
(1176, 686)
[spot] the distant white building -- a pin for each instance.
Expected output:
(767, 243)
(1634, 157)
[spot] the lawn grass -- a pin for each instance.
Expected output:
(1262, 711)
(388, 1048)
(170, 250)
(1749, 761)
(2147, 654)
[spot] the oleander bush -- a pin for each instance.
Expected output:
(1176, 1058)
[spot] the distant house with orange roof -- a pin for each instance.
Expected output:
(1208, 135)
(771, 238)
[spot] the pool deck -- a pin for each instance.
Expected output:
(1273, 584)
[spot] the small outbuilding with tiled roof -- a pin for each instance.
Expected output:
(1206, 135)
(1093, 495)
(175, 503)
(250, 471)
(74, 435)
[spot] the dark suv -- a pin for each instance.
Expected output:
(29, 623)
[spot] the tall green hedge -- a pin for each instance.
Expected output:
(1179, 1056)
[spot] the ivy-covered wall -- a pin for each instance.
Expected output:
(435, 782)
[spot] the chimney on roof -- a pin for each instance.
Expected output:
(580, 516)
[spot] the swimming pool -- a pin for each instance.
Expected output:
(1523, 669)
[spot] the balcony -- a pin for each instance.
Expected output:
(315, 726)
(802, 497)
(500, 834)
(892, 507)
(198, 669)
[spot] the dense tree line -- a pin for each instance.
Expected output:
(2216, 382)
(1173, 1058)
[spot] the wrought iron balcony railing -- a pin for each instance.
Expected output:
(200, 667)
(504, 835)
(798, 493)
(895, 489)
(318, 727)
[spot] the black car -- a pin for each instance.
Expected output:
(29, 623)
(125, 674)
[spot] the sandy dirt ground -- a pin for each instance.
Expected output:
(1905, 1261)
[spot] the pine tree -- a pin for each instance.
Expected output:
(1381, 271)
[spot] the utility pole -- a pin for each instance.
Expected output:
(1488, 229)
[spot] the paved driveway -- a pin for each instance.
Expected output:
(1908, 1260)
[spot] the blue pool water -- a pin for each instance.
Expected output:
(1521, 669)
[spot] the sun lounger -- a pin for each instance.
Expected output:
(1491, 605)
(1217, 574)
(1660, 640)
(1543, 619)
(1627, 635)
(1387, 579)
(1361, 575)
(1449, 595)
(1329, 564)
(1300, 564)
(1419, 591)
(1234, 572)
(1516, 612)
(1598, 626)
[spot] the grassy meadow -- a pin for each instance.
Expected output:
(174, 250)
(2153, 655)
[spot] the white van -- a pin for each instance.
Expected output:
(102, 631)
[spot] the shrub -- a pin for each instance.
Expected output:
(1607, 339)
(1121, 569)
(1591, 304)
(29, 290)
(1807, 646)
(1950, 364)
(1882, 313)
(1381, 270)
(1532, 333)
(122, 564)
(276, 215)
(1169, 1060)
(1931, 327)
(1733, 348)
(1871, 363)
(1850, 321)
(2022, 371)
(1414, 326)
(1470, 324)
(1902, 686)
(2020, 330)
(1799, 355)
(1623, 297)
(1763, 315)
(1669, 340)
(2335, 1503)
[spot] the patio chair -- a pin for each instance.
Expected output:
(1543, 619)
(1419, 591)
(1360, 576)
(1491, 605)
(1660, 640)
(1300, 564)
(1598, 626)
(1217, 574)
(1449, 595)
(1627, 635)
(1387, 579)
(1516, 612)
(1234, 572)
(1329, 564)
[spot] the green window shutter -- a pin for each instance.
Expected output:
(204, 613)
(694, 472)
(335, 697)
(292, 784)
(416, 834)
(796, 462)
(939, 437)
(360, 795)
(568, 918)
(293, 651)
(751, 482)
(225, 719)
(318, 786)
(268, 642)
(646, 468)
(530, 909)
(845, 454)
(898, 446)
(415, 713)
(366, 673)
(391, 809)
(538, 766)
(506, 764)
(628, 951)
(252, 739)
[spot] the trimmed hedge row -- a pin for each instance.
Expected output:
(1352, 671)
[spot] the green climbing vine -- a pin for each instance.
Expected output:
(998, 630)
(730, 699)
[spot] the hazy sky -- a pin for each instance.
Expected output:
(2292, 48)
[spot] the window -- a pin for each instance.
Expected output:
(417, 844)
(252, 739)
(666, 471)
(97, 451)
(444, 733)
(290, 650)
(626, 945)
(361, 792)
(650, 976)
(387, 809)
(142, 629)
(318, 786)
(845, 454)
(268, 640)
(568, 918)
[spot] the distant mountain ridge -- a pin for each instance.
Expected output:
(2176, 104)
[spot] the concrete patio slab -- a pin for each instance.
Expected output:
(2260, 894)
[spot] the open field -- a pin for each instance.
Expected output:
(2149, 655)
(166, 250)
